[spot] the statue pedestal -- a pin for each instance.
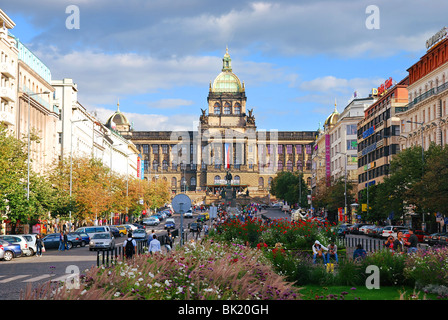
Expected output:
(230, 199)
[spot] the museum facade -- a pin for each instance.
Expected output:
(226, 139)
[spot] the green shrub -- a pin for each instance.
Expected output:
(428, 267)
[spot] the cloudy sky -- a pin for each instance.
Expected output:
(158, 56)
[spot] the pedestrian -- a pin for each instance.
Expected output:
(129, 246)
(359, 253)
(154, 246)
(66, 241)
(412, 242)
(168, 241)
(39, 246)
(318, 251)
(151, 237)
(389, 243)
(61, 241)
(332, 252)
(398, 243)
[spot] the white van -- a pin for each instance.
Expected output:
(93, 229)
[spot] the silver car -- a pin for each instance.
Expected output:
(18, 239)
(102, 241)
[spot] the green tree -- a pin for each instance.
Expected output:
(290, 187)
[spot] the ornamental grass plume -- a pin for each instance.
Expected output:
(208, 271)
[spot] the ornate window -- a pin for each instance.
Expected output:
(227, 109)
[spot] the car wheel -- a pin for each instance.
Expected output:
(83, 243)
(30, 253)
(69, 245)
(8, 256)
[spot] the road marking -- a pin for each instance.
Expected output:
(37, 278)
(14, 278)
(61, 278)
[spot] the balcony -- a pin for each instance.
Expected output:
(7, 117)
(8, 94)
(8, 70)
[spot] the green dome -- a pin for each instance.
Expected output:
(227, 81)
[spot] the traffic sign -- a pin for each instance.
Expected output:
(181, 203)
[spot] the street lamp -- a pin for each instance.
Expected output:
(29, 140)
(345, 182)
(423, 163)
(71, 166)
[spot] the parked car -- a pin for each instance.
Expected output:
(436, 237)
(376, 232)
(152, 221)
(170, 224)
(85, 238)
(18, 239)
(130, 227)
(10, 250)
(51, 241)
(31, 241)
(123, 230)
(188, 214)
(342, 230)
(365, 228)
(355, 228)
(102, 241)
(139, 235)
(93, 229)
(194, 227)
(419, 233)
(115, 232)
(392, 231)
(443, 239)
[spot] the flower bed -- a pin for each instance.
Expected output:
(212, 271)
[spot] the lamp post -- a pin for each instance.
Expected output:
(423, 164)
(29, 140)
(71, 166)
(345, 183)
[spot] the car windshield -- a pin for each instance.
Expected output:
(139, 231)
(101, 236)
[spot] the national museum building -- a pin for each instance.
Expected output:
(226, 140)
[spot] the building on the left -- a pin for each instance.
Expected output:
(33, 105)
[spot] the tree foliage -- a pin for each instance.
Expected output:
(290, 187)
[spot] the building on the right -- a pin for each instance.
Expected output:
(424, 119)
(379, 133)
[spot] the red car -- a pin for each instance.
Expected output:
(419, 233)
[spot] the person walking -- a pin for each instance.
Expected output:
(39, 246)
(61, 241)
(168, 241)
(154, 245)
(129, 246)
(66, 241)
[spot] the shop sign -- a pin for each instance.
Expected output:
(385, 86)
(436, 38)
(368, 132)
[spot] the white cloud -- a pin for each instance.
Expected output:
(152, 122)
